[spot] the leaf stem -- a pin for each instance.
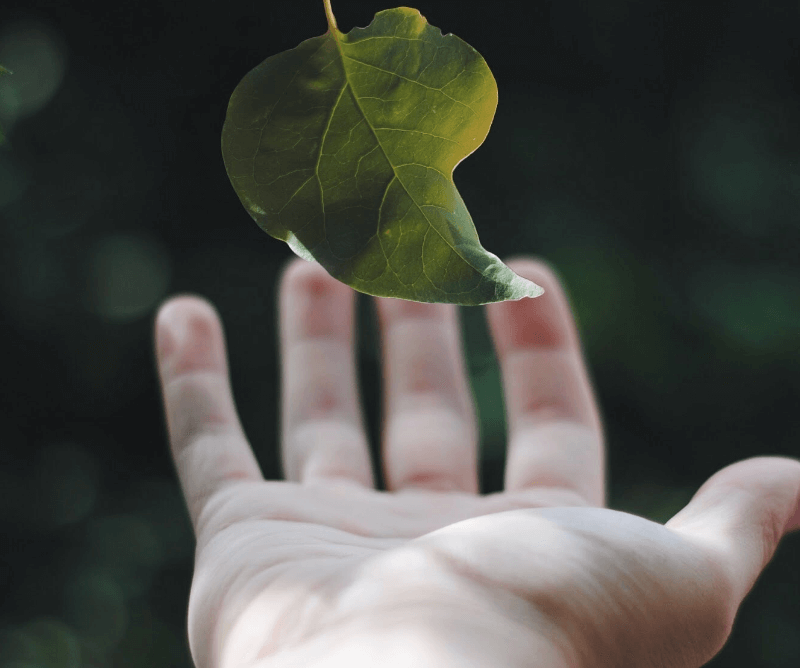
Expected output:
(331, 18)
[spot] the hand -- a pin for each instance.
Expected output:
(323, 570)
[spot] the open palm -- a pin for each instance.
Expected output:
(324, 570)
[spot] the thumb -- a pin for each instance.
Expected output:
(741, 513)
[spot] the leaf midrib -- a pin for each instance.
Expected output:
(342, 56)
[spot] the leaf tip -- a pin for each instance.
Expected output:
(522, 287)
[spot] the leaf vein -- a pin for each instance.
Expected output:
(419, 83)
(280, 97)
(303, 185)
(421, 132)
(319, 158)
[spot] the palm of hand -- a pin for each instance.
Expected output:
(321, 560)
(291, 572)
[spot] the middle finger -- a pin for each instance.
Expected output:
(323, 435)
(430, 437)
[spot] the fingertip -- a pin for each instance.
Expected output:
(787, 475)
(312, 303)
(169, 314)
(292, 267)
(189, 334)
(525, 264)
(537, 269)
(390, 309)
(310, 278)
(186, 300)
(543, 322)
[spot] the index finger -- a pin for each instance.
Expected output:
(206, 439)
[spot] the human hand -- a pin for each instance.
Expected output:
(323, 570)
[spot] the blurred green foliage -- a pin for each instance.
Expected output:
(649, 150)
(3, 72)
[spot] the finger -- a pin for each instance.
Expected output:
(322, 433)
(740, 515)
(430, 436)
(206, 438)
(555, 435)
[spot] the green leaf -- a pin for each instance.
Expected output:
(344, 147)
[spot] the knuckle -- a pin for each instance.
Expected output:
(216, 512)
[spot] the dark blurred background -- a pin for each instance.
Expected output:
(648, 149)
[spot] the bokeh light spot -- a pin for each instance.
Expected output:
(66, 484)
(163, 508)
(737, 173)
(95, 606)
(42, 643)
(129, 274)
(35, 55)
(759, 308)
(125, 540)
(127, 549)
(13, 180)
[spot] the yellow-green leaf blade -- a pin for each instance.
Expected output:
(344, 147)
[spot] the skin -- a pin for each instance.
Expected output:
(321, 569)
